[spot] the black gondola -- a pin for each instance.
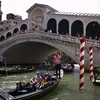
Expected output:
(96, 73)
(27, 93)
(34, 95)
(68, 68)
(17, 71)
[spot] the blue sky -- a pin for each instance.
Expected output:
(20, 6)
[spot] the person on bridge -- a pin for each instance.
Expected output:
(57, 63)
(36, 28)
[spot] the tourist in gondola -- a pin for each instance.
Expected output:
(36, 81)
(45, 81)
(47, 78)
(14, 68)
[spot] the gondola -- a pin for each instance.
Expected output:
(28, 93)
(10, 71)
(96, 74)
(68, 68)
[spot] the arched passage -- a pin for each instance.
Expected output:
(37, 18)
(2, 38)
(63, 27)
(15, 30)
(8, 34)
(51, 25)
(93, 30)
(23, 27)
(77, 28)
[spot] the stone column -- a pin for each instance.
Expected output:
(70, 29)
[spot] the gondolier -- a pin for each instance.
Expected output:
(57, 63)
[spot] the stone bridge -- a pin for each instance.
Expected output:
(33, 47)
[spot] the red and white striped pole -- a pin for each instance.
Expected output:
(82, 51)
(91, 61)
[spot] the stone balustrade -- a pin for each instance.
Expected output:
(48, 37)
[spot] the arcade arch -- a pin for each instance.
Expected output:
(51, 25)
(8, 34)
(37, 18)
(63, 27)
(93, 30)
(23, 27)
(77, 28)
(15, 30)
(2, 38)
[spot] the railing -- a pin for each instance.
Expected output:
(52, 36)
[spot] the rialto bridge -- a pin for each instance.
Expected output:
(34, 47)
(22, 45)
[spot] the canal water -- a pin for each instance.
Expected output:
(68, 88)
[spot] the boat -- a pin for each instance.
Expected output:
(96, 74)
(22, 70)
(68, 68)
(27, 93)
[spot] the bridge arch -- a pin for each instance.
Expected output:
(23, 27)
(63, 27)
(51, 25)
(2, 38)
(27, 45)
(8, 34)
(37, 18)
(93, 30)
(15, 30)
(77, 28)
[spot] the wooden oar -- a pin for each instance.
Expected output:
(51, 66)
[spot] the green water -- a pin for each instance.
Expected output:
(68, 88)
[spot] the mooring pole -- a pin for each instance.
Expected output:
(91, 61)
(82, 52)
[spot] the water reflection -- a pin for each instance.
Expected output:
(68, 89)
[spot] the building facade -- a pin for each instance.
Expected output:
(49, 19)
(66, 23)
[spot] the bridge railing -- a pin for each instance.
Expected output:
(71, 38)
(59, 37)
